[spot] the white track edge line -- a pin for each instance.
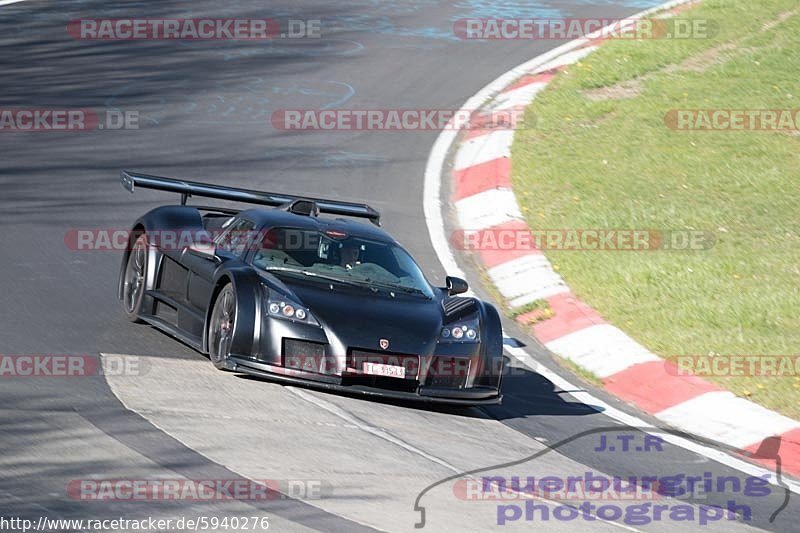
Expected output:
(9, 2)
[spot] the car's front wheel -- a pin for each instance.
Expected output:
(220, 328)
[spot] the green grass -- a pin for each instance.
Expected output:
(536, 305)
(613, 163)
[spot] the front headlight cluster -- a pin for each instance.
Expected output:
(287, 310)
(462, 331)
(281, 307)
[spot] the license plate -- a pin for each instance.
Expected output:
(377, 369)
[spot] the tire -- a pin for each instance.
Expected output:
(221, 326)
(135, 278)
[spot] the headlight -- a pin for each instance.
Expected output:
(462, 331)
(280, 306)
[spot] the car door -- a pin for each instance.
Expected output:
(202, 263)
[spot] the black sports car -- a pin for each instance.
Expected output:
(288, 294)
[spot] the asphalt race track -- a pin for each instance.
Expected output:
(204, 114)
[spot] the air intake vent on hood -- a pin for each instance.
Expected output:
(455, 308)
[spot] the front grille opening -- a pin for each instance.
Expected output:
(448, 372)
(307, 356)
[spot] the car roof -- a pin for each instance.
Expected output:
(271, 217)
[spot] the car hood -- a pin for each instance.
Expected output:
(359, 318)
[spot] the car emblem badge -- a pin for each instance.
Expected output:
(384, 343)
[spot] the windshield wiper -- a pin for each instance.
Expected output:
(366, 283)
(403, 288)
(314, 275)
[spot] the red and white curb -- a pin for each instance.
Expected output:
(484, 201)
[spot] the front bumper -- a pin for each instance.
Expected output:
(425, 394)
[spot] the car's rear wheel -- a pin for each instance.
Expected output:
(134, 282)
(220, 328)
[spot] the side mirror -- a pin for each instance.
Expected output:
(456, 285)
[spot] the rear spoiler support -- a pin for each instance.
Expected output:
(132, 180)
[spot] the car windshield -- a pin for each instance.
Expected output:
(334, 255)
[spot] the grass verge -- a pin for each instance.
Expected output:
(602, 156)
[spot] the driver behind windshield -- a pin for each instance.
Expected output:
(348, 255)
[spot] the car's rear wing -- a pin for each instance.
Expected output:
(131, 180)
